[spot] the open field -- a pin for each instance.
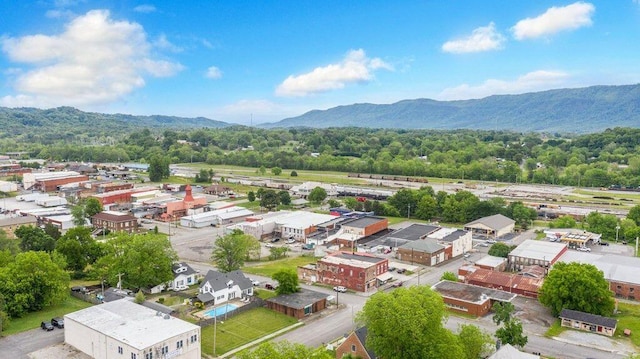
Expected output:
(243, 328)
(268, 269)
(32, 320)
(628, 318)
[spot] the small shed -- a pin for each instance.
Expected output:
(298, 305)
(588, 322)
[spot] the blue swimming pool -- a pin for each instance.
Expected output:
(218, 311)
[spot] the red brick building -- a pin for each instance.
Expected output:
(353, 230)
(115, 222)
(120, 196)
(524, 285)
(470, 299)
(298, 305)
(356, 271)
(51, 185)
(354, 344)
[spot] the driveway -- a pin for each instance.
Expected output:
(18, 346)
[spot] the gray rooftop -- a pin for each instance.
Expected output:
(507, 351)
(358, 257)
(471, 293)
(496, 222)
(423, 245)
(453, 236)
(615, 267)
(540, 250)
(588, 318)
(219, 280)
(413, 232)
(298, 300)
(362, 222)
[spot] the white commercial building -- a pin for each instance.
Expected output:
(216, 217)
(124, 330)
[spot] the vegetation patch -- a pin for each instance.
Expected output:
(243, 328)
(268, 269)
(628, 318)
(32, 320)
(555, 329)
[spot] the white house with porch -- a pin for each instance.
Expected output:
(217, 287)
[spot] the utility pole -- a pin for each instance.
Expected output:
(408, 210)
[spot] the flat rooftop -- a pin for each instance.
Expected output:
(471, 293)
(414, 232)
(362, 222)
(298, 300)
(540, 250)
(615, 267)
(131, 323)
(354, 260)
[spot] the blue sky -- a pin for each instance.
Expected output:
(262, 61)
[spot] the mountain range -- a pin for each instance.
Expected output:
(578, 110)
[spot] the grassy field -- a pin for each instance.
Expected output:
(264, 294)
(32, 320)
(629, 318)
(555, 329)
(268, 269)
(243, 328)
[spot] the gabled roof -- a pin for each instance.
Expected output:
(588, 318)
(181, 268)
(507, 351)
(497, 221)
(219, 280)
(361, 333)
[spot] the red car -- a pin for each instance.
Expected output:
(396, 285)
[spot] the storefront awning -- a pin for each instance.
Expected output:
(384, 277)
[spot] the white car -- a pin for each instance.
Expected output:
(255, 282)
(491, 241)
(340, 289)
(269, 245)
(290, 241)
(466, 255)
(584, 249)
(180, 287)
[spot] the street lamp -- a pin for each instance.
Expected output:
(617, 230)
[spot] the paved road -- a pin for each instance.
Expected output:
(18, 346)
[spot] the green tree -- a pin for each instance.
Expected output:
(577, 286)
(52, 230)
(34, 239)
(634, 214)
(563, 222)
(284, 350)
(8, 244)
(333, 203)
(511, 330)
(79, 217)
(139, 298)
(294, 174)
(500, 250)
(251, 197)
(92, 206)
(277, 253)
(284, 197)
(522, 214)
(404, 201)
(276, 171)
(78, 247)
(143, 260)
(262, 170)
(158, 168)
(288, 281)
(475, 342)
(317, 195)
(407, 323)
(450, 276)
(269, 199)
(231, 251)
(31, 282)
(427, 208)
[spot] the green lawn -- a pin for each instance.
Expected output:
(629, 318)
(243, 328)
(268, 269)
(555, 329)
(32, 320)
(264, 294)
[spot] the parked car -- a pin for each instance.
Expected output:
(269, 245)
(396, 284)
(307, 246)
(400, 270)
(483, 244)
(466, 255)
(491, 241)
(79, 289)
(387, 251)
(584, 249)
(290, 241)
(58, 322)
(46, 326)
(275, 239)
(604, 243)
(391, 269)
(180, 287)
(340, 289)
(271, 286)
(255, 282)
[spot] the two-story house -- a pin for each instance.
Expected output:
(218, 287)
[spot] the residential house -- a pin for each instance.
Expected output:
(299, 304)
(218, 190)
(588, 322)
(470, 299)
(124, 329)
(355, 344)
(218, 287)
(493, 226)
(183, 277)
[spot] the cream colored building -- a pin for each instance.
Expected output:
(125, 330)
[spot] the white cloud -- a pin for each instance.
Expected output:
(554, 20)
(145, 8)
(485, 38)
(58, 14)
(356, 67)
(163, 43)
(213, 73)
(95, 60)
(533, 81)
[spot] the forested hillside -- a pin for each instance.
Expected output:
(580, 110)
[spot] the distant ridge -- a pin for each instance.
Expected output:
(579, 110)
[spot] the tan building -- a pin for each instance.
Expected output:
(470, 299)
(588, 322)
(492, 227)
(9, 225)
(123, 329)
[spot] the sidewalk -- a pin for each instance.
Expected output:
(260, 340)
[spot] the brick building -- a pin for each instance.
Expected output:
(525, 285)
(298, 305)
(470, 299)
(424, 251)
(355, 344)
(357, 271)
(115, 221)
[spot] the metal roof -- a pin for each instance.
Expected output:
(299, 300)
(496, 222)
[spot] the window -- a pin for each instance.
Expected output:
(120, 351)
(179, 344)
(149, 355)
(631, 290)
(134, 356)
(353, 347)
(194, 338)
(165, 350)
